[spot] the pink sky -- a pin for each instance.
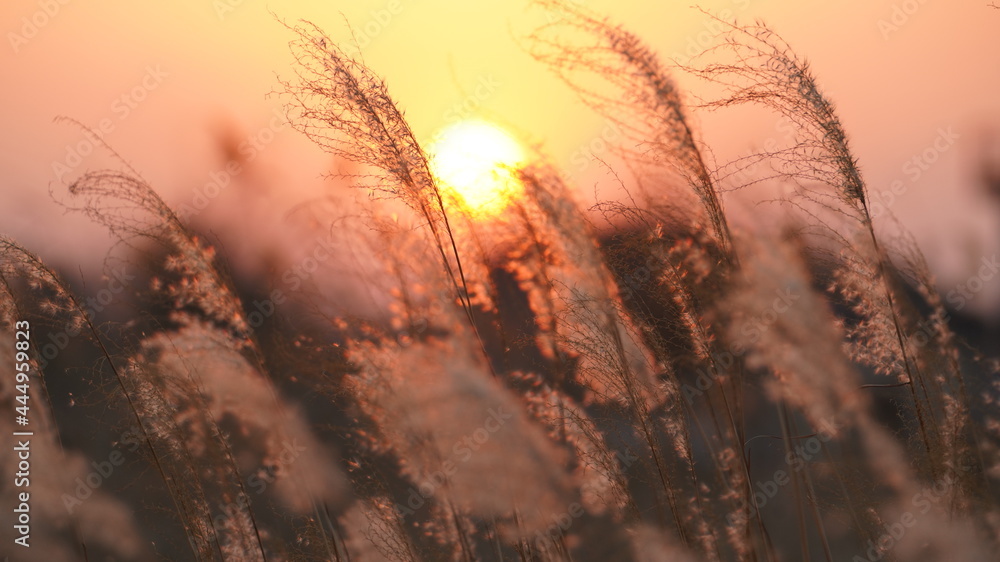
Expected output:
(902, 73)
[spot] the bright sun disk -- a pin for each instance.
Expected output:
(475, 162)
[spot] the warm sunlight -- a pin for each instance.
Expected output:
(475, 162)
(531, 280)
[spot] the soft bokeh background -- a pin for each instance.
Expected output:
(899, 71)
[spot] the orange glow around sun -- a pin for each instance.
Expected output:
(475, 163)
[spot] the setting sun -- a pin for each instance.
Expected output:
(476, 163)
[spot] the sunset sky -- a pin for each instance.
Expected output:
(196, 77)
